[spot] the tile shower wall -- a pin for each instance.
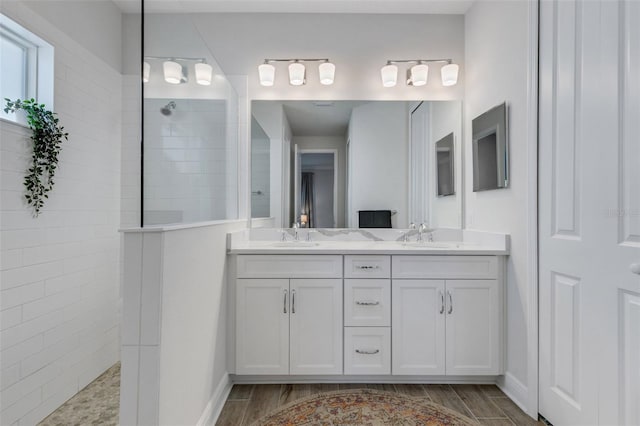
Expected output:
(59, 298)
(260, 177)
(188, 157)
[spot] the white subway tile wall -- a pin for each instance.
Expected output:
(190, 161)
(59, 273)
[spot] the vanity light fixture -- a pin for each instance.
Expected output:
(418, 74)
(175, 70)
(297, 71)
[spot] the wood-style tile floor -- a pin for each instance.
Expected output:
(485, 403)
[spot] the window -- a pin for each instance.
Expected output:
(26, 66)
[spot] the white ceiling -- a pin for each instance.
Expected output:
(310, 118)
(298, 6)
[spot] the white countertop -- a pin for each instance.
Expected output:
(475, 244)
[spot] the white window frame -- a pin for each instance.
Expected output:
(39, 63)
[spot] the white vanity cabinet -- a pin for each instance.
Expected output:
(360, 314)
(447, 326)
(289, 325)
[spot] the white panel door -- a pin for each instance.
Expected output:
(589, 206)
(262, 326)
(473, 336)
(417, 327)
(316, 326)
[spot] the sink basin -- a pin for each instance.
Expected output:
(295, 244)
(429, 244)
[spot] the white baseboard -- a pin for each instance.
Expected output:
(516, 391)
(214, 407)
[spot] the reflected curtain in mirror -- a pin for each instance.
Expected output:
(307, 199)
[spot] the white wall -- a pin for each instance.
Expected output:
(331, 142)
(174, 368)
(496, 51)
(359, 45)
(260, 172)
(445, 118)
(59, 281)
(273, 121)
(95, 25)
(378, 168)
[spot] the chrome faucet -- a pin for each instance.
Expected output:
(422, 230)
(296, 227)
(405, 237)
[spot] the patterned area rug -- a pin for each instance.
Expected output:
(363, 407)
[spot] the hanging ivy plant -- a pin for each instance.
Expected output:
(47, 137)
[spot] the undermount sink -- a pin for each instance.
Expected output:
(295, 244)
(429, 244)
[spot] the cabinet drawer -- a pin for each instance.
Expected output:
(363, 266)
(367, 350)
(367, 302)
(443, 267)
(289, 266)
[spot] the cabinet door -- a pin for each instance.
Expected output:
(473, 327)
(316, 326)
(418, 324)
(262, 326)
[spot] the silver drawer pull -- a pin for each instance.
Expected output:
(367, 267)
(284, 310)
(376, 303)
(361, 352)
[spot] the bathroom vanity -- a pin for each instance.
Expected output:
(351, 307)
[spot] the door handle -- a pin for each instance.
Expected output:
(293, 301)
(365, 352)
(284, 310)
(635, 268)
(450, 303)
(441, 302)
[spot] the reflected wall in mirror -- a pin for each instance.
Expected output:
(330, 160)
(490, 150)
(260, 171)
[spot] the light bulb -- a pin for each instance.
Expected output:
(267, 74)
(327, 72)
(296, 74)
(172, 72)
(203, 74)
(389, 75)
(419, 74)
(449, 74)
(146, 70)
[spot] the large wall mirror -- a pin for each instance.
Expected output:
(351, 164)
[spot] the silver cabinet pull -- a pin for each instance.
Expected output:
(373, 352)
(358, 302)
(293, 301)
(635, 268)
(441, 302)
(284, 310)
(450, 303)
(367, 267)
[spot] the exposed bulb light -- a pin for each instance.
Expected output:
(173, 72)
(203, 74)
(296, 74)
(267, 74)
(389, 75)
(327, 72)
(419, 74)
(449, 74)
(146, 70)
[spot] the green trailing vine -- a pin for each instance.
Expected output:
(47, 136)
